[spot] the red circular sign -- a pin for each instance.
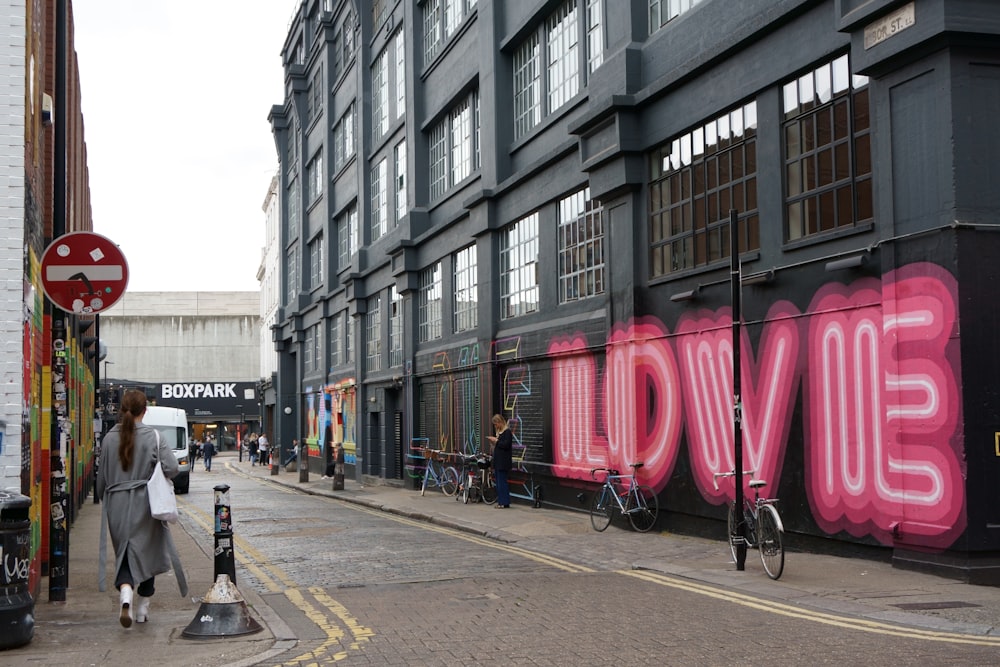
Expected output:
(84, 272)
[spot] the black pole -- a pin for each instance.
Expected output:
(98, 403)
(735, 281)
(225, 558)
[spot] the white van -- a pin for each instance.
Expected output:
(173, 427)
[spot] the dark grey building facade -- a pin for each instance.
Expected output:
(524, 208)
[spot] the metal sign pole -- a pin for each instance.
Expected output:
(735, 281)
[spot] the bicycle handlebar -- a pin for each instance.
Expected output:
(612, 472)
(731, 473)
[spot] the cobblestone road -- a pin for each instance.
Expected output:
(362, 587)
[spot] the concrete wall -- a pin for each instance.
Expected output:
(183, 337)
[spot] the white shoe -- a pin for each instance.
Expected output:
(141, 609)
(125, 597)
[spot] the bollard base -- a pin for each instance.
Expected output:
(275, 468)
(223, 613)
(338, 482)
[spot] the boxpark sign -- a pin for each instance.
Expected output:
(211, 400)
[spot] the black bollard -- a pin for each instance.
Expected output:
(225, 558)
(58, 538)
(303, 462)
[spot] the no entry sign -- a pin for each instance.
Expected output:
(84, 272)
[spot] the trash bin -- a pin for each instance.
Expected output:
(17, 608)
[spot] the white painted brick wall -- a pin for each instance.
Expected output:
(13, 30)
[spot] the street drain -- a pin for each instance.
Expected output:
(926, 606)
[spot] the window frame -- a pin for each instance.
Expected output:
(465, 281)
(519, 267)
(429, 303)
(581, 220)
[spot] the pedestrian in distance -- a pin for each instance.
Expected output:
(253, 449)
(143, 547)
(503, 458)
(263, 449)
(207, 452)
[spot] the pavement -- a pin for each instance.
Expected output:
(83, 630)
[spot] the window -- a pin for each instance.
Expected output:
(438, 153)
(347, 236)
(336, 340)
(595, 34)
(527, 87)
(373, 333)
(429, 304)
(696, 179)
(292, 272)
(292, 149)
(380, 95)
(316, 262)
(314, 178)
(379, 10)
(400, 44)
(308, 349)
(563, 40)
(349, 338)
(442, 19)
(312, 349)
(519, 268)
(581, 247)
(343, 139)
(380, 204)
(828, 155)
(395, 328)
(344, 40)
(466, 305)
(454, 146)
(315, 99)
(400, 158)
(293, 207)
(550, 59)
(662, 12)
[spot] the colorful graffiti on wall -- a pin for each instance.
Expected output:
(877, 361)
(335, 419)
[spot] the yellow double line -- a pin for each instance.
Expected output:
(792, 611)
(275, 580)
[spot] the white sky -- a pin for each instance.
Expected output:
(175, 97)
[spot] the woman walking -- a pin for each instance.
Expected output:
(143, 547)
(503, 449)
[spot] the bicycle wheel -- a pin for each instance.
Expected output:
(643, 508)
(600, 510)
(772, 551)
(489, 487)
(466, 488)
(449, 481)
(733, 529)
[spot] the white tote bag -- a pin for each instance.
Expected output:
(160, 490)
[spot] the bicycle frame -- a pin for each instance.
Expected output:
(763, 528)
(637, 502)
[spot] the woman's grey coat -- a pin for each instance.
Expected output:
(123, 493)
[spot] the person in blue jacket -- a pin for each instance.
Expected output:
(503, 448)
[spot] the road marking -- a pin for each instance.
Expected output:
(762, 604)
(544, 559)
(275, 580)
(791, 611)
